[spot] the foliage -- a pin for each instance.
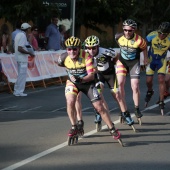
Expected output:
(94, 12)
(91, 13)
(26, 10)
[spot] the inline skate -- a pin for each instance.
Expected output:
(73, 135)
(149, 94)
(162, 106)
(166, 94)
(80, 128)
(98, 121)
(126, 117)
(116, 134)
(138, 115)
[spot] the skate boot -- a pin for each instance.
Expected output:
(166, 94)
(148, 97)
(116, 134)
(80, 127)
(138, 115)
(162, 106)
(98, 121)
(127, 118)
(72, 135)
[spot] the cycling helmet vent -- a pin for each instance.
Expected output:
(73, 42)
(164, 27)
(92, 41)
(130, 23)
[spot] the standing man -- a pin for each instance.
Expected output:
(159, 45)
(130, 45)
(80, 71)
(21, 56)
(52, 35)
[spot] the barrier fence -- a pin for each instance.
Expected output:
(42, 66)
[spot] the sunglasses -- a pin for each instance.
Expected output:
(91, 48)
(127, 30)
(74, 49)
(162, 33)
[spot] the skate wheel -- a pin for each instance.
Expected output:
(98, 127)
(75, 140)
(120, 141)
(81, 133)
(121, 120)
(146, 104)
(139, 121)
(133, 128)
(69, 141)
(162, 112)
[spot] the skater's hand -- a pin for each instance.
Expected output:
(76, 79)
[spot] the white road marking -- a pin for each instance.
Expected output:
(8, 108)
(113, 109)
(58, 109)
(87, 108)
(46, 152)
(34, 108)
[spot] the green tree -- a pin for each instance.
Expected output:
(91, 13)
(26, 10)
(149, 13)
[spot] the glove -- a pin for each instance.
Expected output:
(78, 79)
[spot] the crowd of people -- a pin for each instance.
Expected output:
(25, 41)
(90, 68)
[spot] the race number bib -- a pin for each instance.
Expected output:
(68, 89)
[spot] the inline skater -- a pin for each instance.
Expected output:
(130, 45)
(104, 62)
(79, 66)
(159, 45)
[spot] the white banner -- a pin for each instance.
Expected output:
(43, 66)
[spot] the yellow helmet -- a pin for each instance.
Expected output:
(73, 42)
(92, 41)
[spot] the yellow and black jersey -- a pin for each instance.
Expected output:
(158, 47)
(130, 48)
(82, 67)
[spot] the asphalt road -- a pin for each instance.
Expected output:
(33, 134)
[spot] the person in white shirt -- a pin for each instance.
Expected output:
(22, 51)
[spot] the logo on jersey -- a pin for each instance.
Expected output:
(159, 46)
(132, 42)
(137, 70)
(95, 92)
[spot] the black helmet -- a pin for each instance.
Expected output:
(131, 23)
(164, 27)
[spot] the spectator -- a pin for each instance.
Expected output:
(4, 45)
(62, 30)
(32, 38)
(52, 35)
(5, 39)
(21, 56)
(14, 33)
